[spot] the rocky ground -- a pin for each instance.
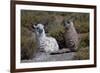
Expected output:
(43, 57)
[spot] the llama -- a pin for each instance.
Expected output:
(71, 35)
(45, 43)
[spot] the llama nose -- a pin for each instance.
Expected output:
(40, 31)
(66, 27)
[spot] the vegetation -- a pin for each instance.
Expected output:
(82, 54)
(53, 22)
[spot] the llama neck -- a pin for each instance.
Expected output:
(72, 28)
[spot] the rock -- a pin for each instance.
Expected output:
(44, 57)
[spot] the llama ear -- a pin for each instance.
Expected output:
(33, 26)
(46, 27)
(45, 24)
(66, 22)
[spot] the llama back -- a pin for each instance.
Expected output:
(49, 44)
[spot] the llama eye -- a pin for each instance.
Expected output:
(68, 22)
(37, 28)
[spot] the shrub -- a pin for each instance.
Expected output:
(57, 32)
(28, 44)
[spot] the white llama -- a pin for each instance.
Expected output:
(47, 44)
(71, 35)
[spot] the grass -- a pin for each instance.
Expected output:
(82, 54)
(83, 48)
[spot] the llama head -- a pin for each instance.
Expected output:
(67, 24)
(39, 28)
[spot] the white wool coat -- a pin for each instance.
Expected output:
(47, 44)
